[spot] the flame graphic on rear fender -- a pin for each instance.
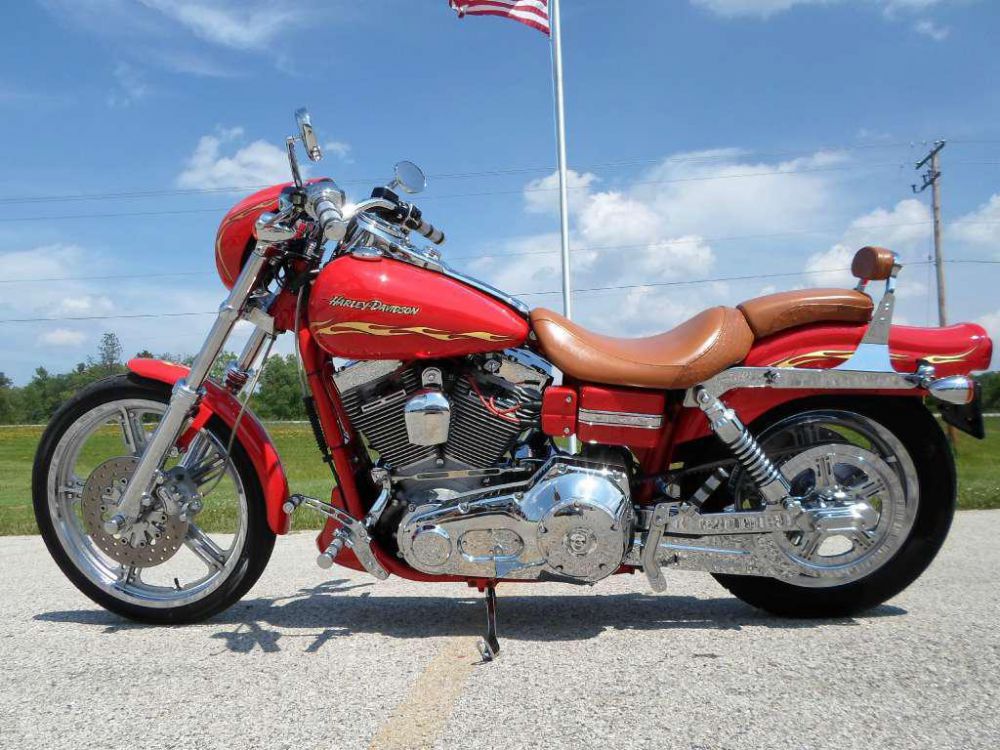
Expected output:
(330, 328)
(798, 360)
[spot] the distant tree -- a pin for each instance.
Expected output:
(145, 354)
(221, 363)
(990, 384)
(279, 395)
(109, 354)
(7, 397)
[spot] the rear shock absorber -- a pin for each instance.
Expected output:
(733, 433)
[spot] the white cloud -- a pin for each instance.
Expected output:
(893, 10)
(932, 30)
(759, 8)
(655, 229)
(63, 337)
(220, 161)
(766, 8)
(130, 87)
(980, 227)
(904, 229)
(242, 24)
(257, 163)
(721, 192)
(339, 149)
(991, 322)
(541, 196)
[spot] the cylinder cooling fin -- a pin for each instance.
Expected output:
(428, 415)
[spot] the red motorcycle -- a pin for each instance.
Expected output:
(783, 445)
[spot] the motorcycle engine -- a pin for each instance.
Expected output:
(478, 489)
(446, 427)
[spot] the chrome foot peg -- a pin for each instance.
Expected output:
(489, 646)
(352, 533)
(329, 555)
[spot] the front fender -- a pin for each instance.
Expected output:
(250, 434)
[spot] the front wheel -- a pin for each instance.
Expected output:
(197, 546)
(889, 455)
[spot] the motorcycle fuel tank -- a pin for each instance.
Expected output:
(379, 308)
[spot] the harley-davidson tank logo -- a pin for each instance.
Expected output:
(330, 328)
(375, 305)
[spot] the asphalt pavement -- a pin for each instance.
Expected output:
(312, 659)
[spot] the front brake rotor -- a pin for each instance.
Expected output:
(155, 536)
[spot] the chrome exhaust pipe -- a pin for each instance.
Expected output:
(955, 389)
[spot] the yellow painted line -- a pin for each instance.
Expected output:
(420, 718)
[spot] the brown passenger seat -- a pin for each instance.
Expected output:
(689, 354)
(779, 312)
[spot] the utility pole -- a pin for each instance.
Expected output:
(932, 179)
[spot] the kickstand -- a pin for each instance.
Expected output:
(489, 647)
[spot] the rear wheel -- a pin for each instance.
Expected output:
(887, 462)
(196, 548)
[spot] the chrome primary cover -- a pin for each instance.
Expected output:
(572, 521)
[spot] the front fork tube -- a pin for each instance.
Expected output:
(186, 394)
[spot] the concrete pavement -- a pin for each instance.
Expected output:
(318, 660)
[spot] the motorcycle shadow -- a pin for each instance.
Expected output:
(329, 614)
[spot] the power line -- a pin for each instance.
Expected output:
(483, 194)
(497, 172)
(506, 254)
(111, 317)
(618, 287)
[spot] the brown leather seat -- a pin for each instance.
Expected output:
(689, 354)
(778, 312)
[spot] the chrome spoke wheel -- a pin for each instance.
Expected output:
(168, 558)
(857, 482)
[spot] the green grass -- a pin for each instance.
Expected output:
(978, 469)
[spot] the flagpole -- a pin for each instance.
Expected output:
(557, 76)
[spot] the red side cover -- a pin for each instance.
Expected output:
(559, 405)
(621, 404)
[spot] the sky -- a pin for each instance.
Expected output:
(709, 141)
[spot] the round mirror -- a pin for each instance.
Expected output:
(410, 177)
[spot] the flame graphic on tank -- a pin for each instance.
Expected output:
(330, 328)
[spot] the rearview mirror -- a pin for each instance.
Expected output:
(313, 150)
(409, 177)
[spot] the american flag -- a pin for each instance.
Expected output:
(534, 13)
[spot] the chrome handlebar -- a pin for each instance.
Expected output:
(325, 203)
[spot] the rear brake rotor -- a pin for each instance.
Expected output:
(155, 536)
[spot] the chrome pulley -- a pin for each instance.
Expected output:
(151, 540)
(855, 481)
(856, 503)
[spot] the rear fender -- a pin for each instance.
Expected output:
(250, 434)
(954, 350)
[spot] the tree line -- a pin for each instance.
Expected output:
(278, 395)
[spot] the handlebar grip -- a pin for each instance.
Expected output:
(429, 231)
(330, 219)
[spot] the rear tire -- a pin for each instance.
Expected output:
(238, 575)
(921, 436)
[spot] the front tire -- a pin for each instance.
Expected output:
(115, 416)
(927, 451)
